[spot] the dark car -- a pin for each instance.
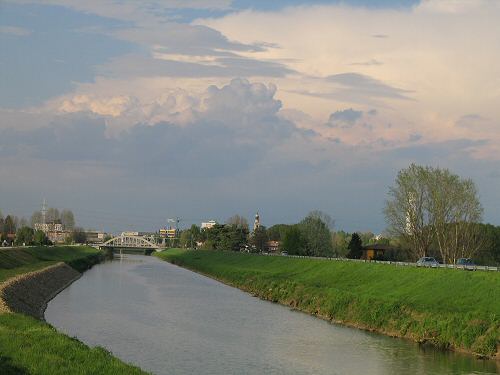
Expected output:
(466, 263)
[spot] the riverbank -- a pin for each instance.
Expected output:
(29, 278)
(450, 309)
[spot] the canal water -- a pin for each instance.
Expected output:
(168, 320)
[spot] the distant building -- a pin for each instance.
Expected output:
(256, 223)
(58, 236)
(94, 236)
(168, 233)
(55, 226)
(272, 246)
(208, 224)
(54, 231)
(375, 252)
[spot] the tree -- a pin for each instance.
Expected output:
(406, 210)
(239, 221)
(78, 235)
(259, 239)
(355, 247)
(317, 235)
(40, 238)
(185, 238)
(232, 238)
(36, 218)
(340, 241)
(455, 209)
(195, 233)
(25, 235)
(67, 219)
(52, 215)
(225, 237)
(277, 232)
(366, 237)
(489, 254)
(324, 217)
(23, 222)
(429, 205)
(9, 225)
(294, 242)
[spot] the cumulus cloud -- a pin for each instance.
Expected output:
(114, 107)
(231, 128)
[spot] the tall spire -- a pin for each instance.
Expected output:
(256, 223)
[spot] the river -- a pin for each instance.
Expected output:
(169, 320)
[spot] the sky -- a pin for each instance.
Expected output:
(133, 112)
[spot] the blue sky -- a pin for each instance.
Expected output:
(131, 112)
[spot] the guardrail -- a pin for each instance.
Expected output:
(395, 263)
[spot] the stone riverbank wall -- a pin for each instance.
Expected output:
(29, 293)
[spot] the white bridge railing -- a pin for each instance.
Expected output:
(135, 242)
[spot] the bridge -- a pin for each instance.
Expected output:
(131, 243)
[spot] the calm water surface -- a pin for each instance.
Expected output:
(168, 320)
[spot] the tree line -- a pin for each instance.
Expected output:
(429, 212)
(25, 232)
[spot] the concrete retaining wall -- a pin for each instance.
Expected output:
(29, 293)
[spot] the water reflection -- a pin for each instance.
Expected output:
(172, 321)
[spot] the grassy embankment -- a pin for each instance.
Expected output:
(452, 309)
(29, 346)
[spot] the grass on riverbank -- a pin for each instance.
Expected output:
(29, 346)
(25, 259)
(449, 308)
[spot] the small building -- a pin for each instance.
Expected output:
(95, 236)
(55, 226)
(272, 246)
(209, 224)
(58, 236)
(375, 251)
(168, 233)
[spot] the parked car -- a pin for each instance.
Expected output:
(466, 263)
(284, 253)
(427, 262)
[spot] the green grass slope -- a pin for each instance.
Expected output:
(21, 260)
(29, 346)
(453, 309)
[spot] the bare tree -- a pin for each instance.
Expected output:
(23, 222)
(239, 221)
(406, 210)
(68, 219)
(455, 210)
(432, 204)
(324, 217)
(52, 215)
(36, 218)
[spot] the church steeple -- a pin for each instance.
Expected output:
(256, 223)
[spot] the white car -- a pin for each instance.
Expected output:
(427, 262)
